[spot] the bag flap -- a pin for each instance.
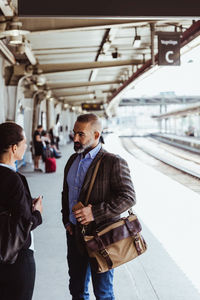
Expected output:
(117, 231)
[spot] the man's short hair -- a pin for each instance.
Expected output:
(86, 118)
(39, 126)
(90, 118)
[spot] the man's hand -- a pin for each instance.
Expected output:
(84, 215)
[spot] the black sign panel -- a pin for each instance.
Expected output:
(109, 8)
(168, 49)
(92, 106)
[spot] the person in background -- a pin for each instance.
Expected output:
(51, 136)
(46, 142)
(66, 134)
(112, 194)
(47, 146)
(190, 131)
(17, 279)
(45, 138)
(38, 147)
(56, 131)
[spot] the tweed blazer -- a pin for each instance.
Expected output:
(112, 192)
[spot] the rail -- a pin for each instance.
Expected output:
(188, 143)
(167, 158)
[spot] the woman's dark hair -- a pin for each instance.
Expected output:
(10, 134)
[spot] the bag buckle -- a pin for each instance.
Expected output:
(138, 245)
(104, 253)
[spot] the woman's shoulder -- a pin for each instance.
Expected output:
(6, 174)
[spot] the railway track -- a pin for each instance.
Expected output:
(180, 165)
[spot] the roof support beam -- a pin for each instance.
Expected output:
(7, 53)
(54, 68)
(29, 53)
(179, 112)
(65, 94)
(106, 42)
(7, 8)
(105, 24)
(78, 99)
(56, 86)
(93, 73)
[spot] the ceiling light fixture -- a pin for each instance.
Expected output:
(15, 34)
(137, 39)
(115, 54)
(40, 80)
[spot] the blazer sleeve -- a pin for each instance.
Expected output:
(64, 195)
(64, 200)
(122, 193)
(21, 204)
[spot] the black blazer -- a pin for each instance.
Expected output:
(15, 196)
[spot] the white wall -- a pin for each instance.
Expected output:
(10, 98)
(7, 96)
(28, 117)
(51, 114)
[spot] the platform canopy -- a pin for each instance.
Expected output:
(87, 59)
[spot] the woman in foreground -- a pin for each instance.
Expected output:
(17, 279)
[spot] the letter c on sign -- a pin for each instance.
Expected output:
(168, 53)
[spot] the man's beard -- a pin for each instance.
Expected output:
(79, 148)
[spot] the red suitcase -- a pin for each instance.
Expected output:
(50, 164)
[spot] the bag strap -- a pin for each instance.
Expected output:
(103, 252)
(90, 189)
(92, 181)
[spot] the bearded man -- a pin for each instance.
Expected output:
(112, 194)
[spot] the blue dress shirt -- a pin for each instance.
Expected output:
(76, 177)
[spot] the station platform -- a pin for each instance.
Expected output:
(169, 212)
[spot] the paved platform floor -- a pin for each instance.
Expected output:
(169, 270)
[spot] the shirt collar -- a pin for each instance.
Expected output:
(8, 166)
(92, 153)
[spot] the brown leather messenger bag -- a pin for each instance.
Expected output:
(117, 243)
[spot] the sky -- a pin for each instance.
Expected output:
(182, 80)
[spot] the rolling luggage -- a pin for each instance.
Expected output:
(50, 161)
(50, 165)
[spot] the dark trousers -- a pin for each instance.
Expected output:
(17, 280)
(80, 273)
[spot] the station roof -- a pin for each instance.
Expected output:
(91, 59)
(159, 100)
(193, 109)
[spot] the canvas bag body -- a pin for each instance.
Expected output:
(119, 244)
